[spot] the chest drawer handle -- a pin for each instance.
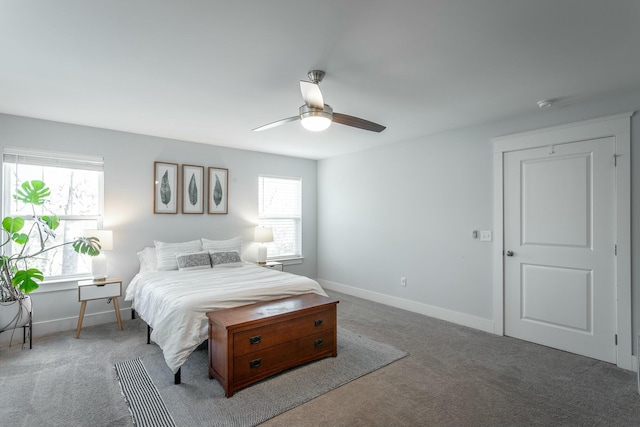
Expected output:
(255, 363)
(318, 342)
(318, 322)
(255, 340)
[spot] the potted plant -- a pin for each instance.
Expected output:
(18, 276)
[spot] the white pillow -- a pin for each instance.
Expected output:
(230, 245)
(166, 253)
(193, 261)
(147, 258)
(225, 259)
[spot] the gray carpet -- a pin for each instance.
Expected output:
(357, 356)
(453, 376)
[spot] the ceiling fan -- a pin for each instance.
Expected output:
(315, 115)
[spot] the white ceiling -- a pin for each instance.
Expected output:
(210, 71)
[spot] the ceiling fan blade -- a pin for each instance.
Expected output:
(311, 94)
(278, 123)
(357, 122)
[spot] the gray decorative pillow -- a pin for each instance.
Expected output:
(226, 259)
(193, 261)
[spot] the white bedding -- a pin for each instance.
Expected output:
(175, 303)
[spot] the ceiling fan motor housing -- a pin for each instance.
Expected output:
(309, 111)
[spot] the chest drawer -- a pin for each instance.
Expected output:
(279, 357)
(277, 333)
(93, 291)
(252, 342)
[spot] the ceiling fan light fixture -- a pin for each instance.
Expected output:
(316, 123)
(315, 119)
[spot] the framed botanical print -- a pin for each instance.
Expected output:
(218, 190)
(192, 189)
(165, 188)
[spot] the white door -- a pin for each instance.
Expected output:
(559, 242)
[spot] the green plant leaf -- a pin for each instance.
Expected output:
(12, 224)
(34, 192)
(20, 238)
(25, 280)
(87, 246)
(52, 221)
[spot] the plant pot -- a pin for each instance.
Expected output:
(15, 314)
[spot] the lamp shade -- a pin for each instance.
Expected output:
(263, 234)
(105, 237)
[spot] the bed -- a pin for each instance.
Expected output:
(174, 302)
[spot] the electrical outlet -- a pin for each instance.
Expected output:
(485, 235)
(403, 281)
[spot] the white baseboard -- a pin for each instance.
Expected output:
(486, 325)
(67, 324)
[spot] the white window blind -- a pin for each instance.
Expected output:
(48, 158)
(280, 207)
(76, 184)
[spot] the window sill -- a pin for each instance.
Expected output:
(67, 279)
(287, 261)
(61, 284)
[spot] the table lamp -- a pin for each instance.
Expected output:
(99, 263)
(263, 235)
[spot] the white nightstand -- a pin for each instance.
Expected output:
(273, 265)
(99, 289)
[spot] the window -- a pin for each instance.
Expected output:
(76, 184)
(280, 207)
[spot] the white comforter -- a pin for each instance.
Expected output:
(175, 303)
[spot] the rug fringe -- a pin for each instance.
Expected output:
(124, 396)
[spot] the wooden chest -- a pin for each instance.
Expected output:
(252, 342)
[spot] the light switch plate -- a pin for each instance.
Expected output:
(485, 235)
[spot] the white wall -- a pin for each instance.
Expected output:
(129, 202)
(401, 210)
(409, 210)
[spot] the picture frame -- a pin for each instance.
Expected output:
(192, 189)
(218, 191)
(165, 188)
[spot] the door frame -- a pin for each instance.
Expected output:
(619, 127)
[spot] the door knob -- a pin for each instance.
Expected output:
(509, 253)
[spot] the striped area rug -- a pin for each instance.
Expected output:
(155, 400)
(146, 406)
